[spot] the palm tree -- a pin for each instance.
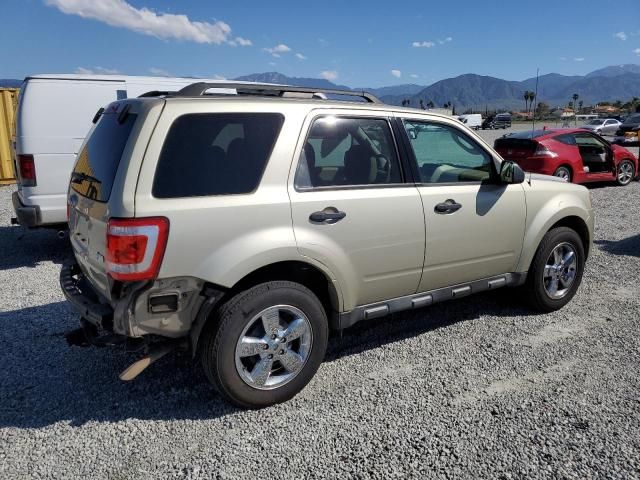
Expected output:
(526, 99)
(532, 96)
(575, 102)
(580, 103)
(422, 104)
(430, 104)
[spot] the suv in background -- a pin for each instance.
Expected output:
(629, 132)
(501, 120)
(243, 227)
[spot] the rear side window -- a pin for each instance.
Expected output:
(215, 154)
(342, 151)
(97, 163)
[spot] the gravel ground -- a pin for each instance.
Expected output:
(477, 388)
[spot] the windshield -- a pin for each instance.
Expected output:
(98, 161)
(632, 119)
(595, 122)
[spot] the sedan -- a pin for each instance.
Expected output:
(602, 126)
(575, 155)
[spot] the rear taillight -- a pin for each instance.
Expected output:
(543, 151)
(27, 170)
(135, 247)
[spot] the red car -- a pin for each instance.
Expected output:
(576, 155)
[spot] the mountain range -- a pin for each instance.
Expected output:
(479, 92)
(617, 82)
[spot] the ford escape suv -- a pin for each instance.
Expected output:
(244, 227)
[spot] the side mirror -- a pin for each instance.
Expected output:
(413, 133)
(511, 173)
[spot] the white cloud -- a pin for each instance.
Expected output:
(637, 51)
(423, 44)
(277, 50)
(563, 58)
(97, 71)
(323, 42)
(240, 42)
(159, 72)
(119, 13)
(413, 75)
(578, 59)
(446, 40)
(300, 56)
(620, 35)
(329, 75)
(396, 73)
(273, 64)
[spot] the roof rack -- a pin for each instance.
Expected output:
(266, 89)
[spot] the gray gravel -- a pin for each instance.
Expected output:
(478, 388)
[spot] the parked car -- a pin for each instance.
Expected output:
(575, 155)
(629, 131)
(501, 120)
(471, 120)
(54, 115)
(602, 126)
(244, 227)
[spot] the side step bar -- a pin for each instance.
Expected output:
(424, 299)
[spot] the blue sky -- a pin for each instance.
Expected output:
(353, 43)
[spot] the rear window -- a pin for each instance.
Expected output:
(97, 163)
(215, 154)
(528, 134)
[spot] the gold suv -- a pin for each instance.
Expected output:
(243, 226)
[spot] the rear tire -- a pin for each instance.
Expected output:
(556, 270)
(625, 172)
(245, 351)
(564, 173)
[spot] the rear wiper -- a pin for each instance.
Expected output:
(79, 177)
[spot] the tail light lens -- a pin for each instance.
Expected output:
(135, 247)
(27, 170)
(543, 151)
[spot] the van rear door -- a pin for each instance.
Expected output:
(90, 189)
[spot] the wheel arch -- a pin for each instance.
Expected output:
(307, 274)
(572, 216)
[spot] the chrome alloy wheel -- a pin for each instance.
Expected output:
(625, 173)
(273, 347)
(563, 173)
(560, 271)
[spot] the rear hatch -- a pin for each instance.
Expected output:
(90, 191)
(515, 148)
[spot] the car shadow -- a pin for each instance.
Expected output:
(46, 381)
(23, 247)
(627, 246)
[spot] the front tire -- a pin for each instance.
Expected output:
(265, 344)
(556, 270)
(625, 173)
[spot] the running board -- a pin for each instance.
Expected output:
(424, 299)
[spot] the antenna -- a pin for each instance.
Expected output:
(533, 124)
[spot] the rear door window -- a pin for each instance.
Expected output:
(97, 163)
(215, 154)
(343, 151)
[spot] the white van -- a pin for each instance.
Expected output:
(54, 115)
(471, 120)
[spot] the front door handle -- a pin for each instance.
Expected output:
(447, 207)
(328, 215)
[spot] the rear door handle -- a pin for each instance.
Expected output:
(328, 215)
(447, 207)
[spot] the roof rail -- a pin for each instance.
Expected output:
(200, 88)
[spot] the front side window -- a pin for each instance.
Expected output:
(348, 152)
(589, 141)
(445, 154)
(215, 154)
